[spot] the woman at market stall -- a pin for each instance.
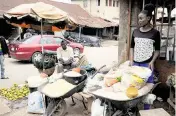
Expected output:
(145, 43)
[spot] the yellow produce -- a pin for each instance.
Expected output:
(132, 92)
(15, 92)
(137, 79)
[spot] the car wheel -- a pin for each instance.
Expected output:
(36, 55)
(76, 51)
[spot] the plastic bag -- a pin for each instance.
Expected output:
(149, 99)
(97, 109)
(142, 72)
(131, 80)
(35, 103)
(95, 83)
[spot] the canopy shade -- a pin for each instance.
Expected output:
(36, 12)
(26, 15)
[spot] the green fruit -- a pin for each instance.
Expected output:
(119, 79)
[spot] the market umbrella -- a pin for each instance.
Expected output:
(39, 16)
(31, 15)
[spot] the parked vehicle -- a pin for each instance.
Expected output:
(29, 33)
(29, 48)
(85, 40)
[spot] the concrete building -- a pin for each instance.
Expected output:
(107, 9)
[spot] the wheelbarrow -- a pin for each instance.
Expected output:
(119, 107)
(56, 105)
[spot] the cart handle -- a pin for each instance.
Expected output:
(98, 71)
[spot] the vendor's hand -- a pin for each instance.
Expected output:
(70, 60)
(151, 65)
(43, 75)
(61, 60)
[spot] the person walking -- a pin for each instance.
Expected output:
(3, 50)
(145, 43)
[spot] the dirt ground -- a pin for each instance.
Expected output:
(19, 108)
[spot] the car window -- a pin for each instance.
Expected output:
(46, 40)
(57, 40)
(28, 40)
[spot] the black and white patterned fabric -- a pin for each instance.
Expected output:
(144, 44)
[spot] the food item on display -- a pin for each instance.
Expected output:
(118, 87)
(15, 92)
(72, 74)
(137, 79)
(76, 70)
(129, 79)
(110, 81)
(132, 92)
(58, 88)
(142, 72)
(119, 79)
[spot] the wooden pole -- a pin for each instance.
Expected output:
(41, 30)
(155, 17)
(173, 55)
(143, 4)
(97, 32)
(168, 29)
(19, 32)
(162, 19)
(129, 31)
(79, 32)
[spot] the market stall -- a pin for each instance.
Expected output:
(39, 16)
(123, 87)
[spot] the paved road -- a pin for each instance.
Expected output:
(17, 72)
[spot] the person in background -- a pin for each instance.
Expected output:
(8, 50)
(65, 57)
(145, 43)
(3, 51)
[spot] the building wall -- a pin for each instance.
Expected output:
(107, 12)
(64, 1)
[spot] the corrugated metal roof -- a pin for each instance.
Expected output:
(79, 15)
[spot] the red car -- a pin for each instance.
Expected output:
(29, 48)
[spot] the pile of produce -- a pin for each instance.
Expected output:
(58, 88)
(132, 92)
(128, 79)
(15, 92)
(78, 70)
(75, 72)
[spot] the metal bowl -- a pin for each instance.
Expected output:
(76, 80)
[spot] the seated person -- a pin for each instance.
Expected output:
(46, 66)
(65, 57)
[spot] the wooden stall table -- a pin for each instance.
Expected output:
(89, 98)
(154, 112)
